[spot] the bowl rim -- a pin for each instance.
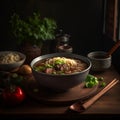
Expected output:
(63, 54)
(23, 57)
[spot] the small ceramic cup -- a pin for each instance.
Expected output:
(99, 60)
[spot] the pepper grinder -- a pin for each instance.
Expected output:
(63, 44)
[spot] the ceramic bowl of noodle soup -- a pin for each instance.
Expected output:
(60, 71)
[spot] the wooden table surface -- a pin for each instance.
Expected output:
(108, 104)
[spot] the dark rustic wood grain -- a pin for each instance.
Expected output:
(79, 92)
(108, 104)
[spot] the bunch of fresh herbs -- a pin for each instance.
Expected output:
(33, 29)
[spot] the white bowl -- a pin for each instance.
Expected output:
(13, 65)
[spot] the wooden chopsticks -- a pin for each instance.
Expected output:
(110, 52)
(99, 94)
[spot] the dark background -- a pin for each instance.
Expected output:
(82, 19)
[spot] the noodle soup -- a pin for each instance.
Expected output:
(60, 65)
(60, 71)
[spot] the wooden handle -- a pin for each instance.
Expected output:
(93, 99)
(113, 48)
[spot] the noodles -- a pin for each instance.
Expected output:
(9, 58)
(65, 60)
(60, 65)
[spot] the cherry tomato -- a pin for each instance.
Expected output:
(13, 95)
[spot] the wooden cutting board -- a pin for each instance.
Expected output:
(42, 94)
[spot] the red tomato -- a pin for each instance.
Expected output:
(13, 95)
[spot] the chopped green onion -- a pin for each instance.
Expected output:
(103, 84)
(91, 81)
(100, 78)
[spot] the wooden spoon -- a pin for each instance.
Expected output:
(110, 52)
(78, 107)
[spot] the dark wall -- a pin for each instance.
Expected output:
(83, 20)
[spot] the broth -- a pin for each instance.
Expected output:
(100, 56)
(60, 65)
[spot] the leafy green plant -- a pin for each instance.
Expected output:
(33, 29)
